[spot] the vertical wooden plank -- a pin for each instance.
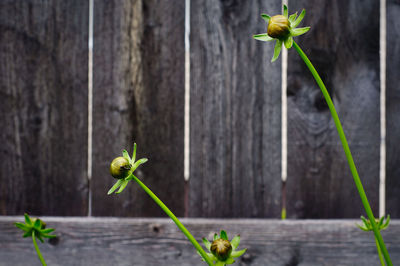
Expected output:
(139, 96)
(393, 109)
(43, 107)
(235, 112)
(343, 44)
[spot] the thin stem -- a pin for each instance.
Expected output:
(37, 249)
(349, 157)
(176, 221)
(379, 253)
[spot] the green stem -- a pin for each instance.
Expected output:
(349, 157)
(37, 249)
(177, 222)
(379, 253)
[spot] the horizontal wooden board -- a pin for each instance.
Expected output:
(147, 242)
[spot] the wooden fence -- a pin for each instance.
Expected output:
(235, 111)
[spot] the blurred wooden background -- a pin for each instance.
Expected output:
(235, 117)
(235, 129)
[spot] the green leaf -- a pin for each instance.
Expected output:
(386, 224)
(39, 237)
(22, 226)
(299, 31)
(285, 11)
(299, 19)
(126, 156)
(134, 153)
(116, 185)
(49, 236)
(229, 261)
(123, 186)
(288, 42)
(216, 236)
(366, 222)
(130, 177)
(27, 219)
(138, 163)
(220, 263)
(238, 253)
(362, 228)
(224, 235)
(263, 37)
(292, 18)
(266, 17)
(27, 234)
(235, 242)
(380, 222)
(47, 231)
(37, 224)
(206, 243)
(277, 50)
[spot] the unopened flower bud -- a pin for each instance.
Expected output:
(278, 27)
(221, 249)
(120, 167)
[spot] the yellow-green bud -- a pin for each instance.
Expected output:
(221, 249)
(120, 167)
(278, 27)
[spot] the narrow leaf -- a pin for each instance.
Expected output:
(220, 263)
(381, 221)
(266, 17)
(386, 224)
(277, 50)
(206, 243)
(49, 236)
(126, 156)
(238, 253)
(40, 238)
(285, 11)
(224, 235)
(28, 219)
(216, 236)
(47, 231)
(292, 18)
(37, 224)
(235, 242)
(138, 163)
(263, 37)
(362, 228)
(134, 153)
(299, 19)
(122, 187)
(116, 185)
(299, 31)
(22, 226)
(130, 177)
(27, 234)
(229, 261)
(288, 42)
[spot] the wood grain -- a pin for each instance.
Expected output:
(393, 109)
(148, 242)
(43, 107)
(235, 112)
(138, 97)
(343, 45)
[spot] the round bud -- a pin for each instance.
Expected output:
(221, 249)
(120, 167)
(278, 27)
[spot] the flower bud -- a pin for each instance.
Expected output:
(278, 27)
(120, 167)
(221, 249)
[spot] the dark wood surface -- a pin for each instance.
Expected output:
(147, 242)
(43, 107)
(235, 166)
(343, 45)
(138, 96)
(393, 109)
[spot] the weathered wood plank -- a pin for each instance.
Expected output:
(138, 96)
(147, 242)
(343, 45)
(393, 108)
(235, 112)
(43, 107)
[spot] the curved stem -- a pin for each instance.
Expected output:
(37, 249)
(349, 157)
(176, 221)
